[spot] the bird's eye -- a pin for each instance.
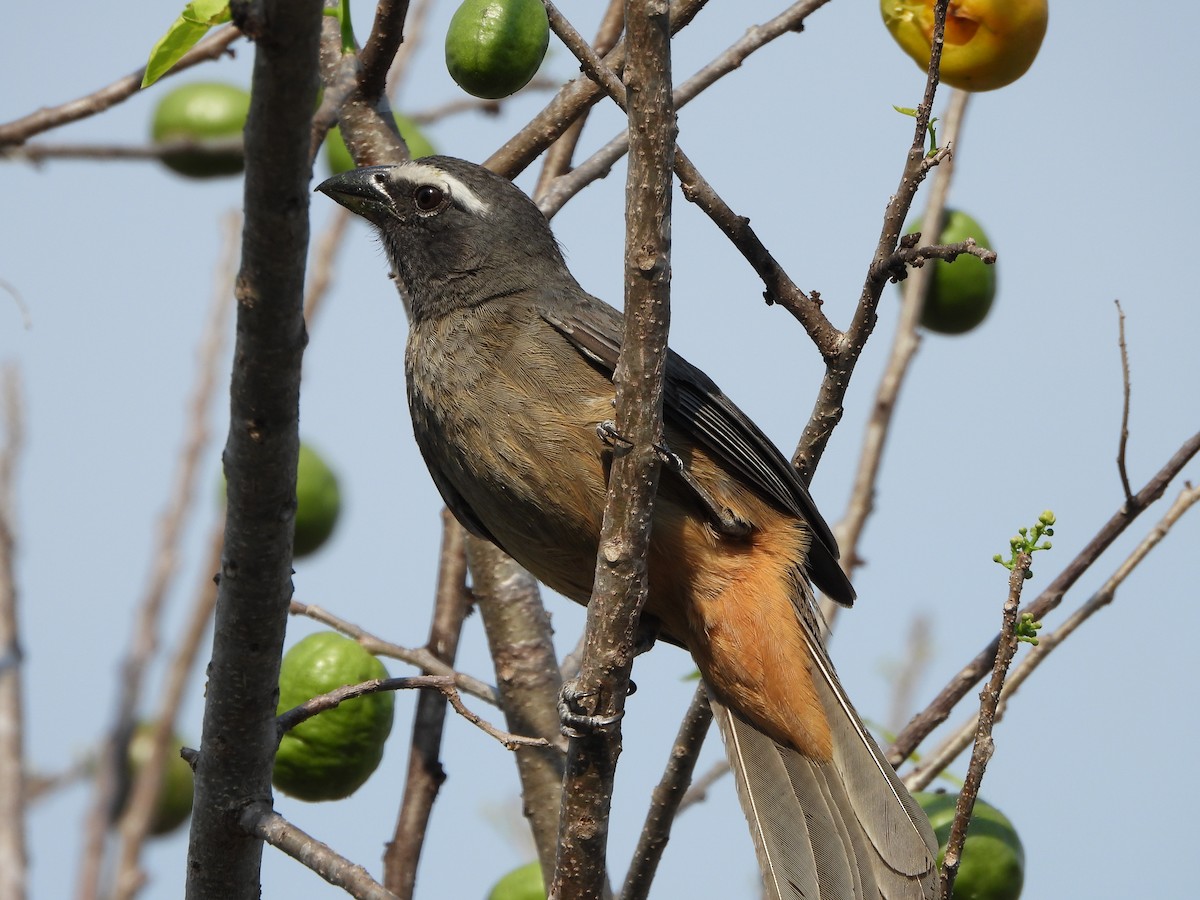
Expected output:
(427, 197)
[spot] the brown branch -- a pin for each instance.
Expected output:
(984, 744)
(827, 411)
(1125, 385)
(135, 821)
(521, 643)
(420, 657)
(905, 343)
(667, 796)
(38, 152)
(444, 684)
(620, 586)
(414, 31)
(325, 252)
(261, 821)
(20, 130)
(698, 792)
(452, 602)
(14, 860)
(238, 743)
(935, 762)
(387, 34)
(939, 709)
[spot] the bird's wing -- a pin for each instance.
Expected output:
(694, 403)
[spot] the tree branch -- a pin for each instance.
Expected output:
(621, 583)
(238, 745)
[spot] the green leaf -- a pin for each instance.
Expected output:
(193, 23)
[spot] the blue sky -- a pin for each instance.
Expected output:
(1083, 174)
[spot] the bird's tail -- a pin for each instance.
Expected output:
(838, 829)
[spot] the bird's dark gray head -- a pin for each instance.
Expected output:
(456, 233)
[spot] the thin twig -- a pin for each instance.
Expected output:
(324, 255)
(940, 707)
(984, 743)
(452, 602)
(20, 130)
(667, 796)
(14, 858)
(905, 343)
(414, 32)
(698, 792)
(827, 411)
(261, 821)
(379, 50)
(443, 683)
(1125, 384)
(934, 763)
(225, 148)
(376, 646)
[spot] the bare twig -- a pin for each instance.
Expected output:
(667, 796)
(620, 586)
(325, 252)
(1124, 440)
(143, 795)
(425, 773)
(38, 152)
(261, 821)
(698, 792)
(419, 657)
(934, 763)
(20, 130)
(387, 33)
(414, 31)
(521, 643)
(904, 679)
(904, 348)
(443, 683)
(984, 744)
(827, 411)
(13, 797)
(939, 709)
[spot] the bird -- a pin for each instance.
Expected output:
(509, 374)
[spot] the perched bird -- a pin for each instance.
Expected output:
(509, 366)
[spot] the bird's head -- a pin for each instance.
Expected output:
(456, 233)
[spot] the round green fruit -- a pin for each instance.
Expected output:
(524, 883)
(175, 789)
(960, 292)
(318, 502)
(331, 755)
(202, 111)
(337, 154)
(494, 47)
(992, 865)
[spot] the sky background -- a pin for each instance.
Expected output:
(1083, 174)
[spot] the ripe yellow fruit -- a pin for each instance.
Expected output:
(331, 755)
(494, 47)
(202, 111)
(988, 43)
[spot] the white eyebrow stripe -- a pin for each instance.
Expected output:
(458, 190)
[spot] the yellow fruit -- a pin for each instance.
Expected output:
(960, 292)
(331, 755)
(202, 111)
(524, 883)
(988, 43)
(494, 47)
(318, 502)
(337, 155)
(992, 865)
(175, 791)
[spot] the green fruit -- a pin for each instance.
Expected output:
(202, 111)
(175, 791)
(331, 755)
(524, 883)
(992, 865)
(318, 502)
(337, 155)
(494, 47)
(960, 292)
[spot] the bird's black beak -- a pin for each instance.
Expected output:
(363, 191)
